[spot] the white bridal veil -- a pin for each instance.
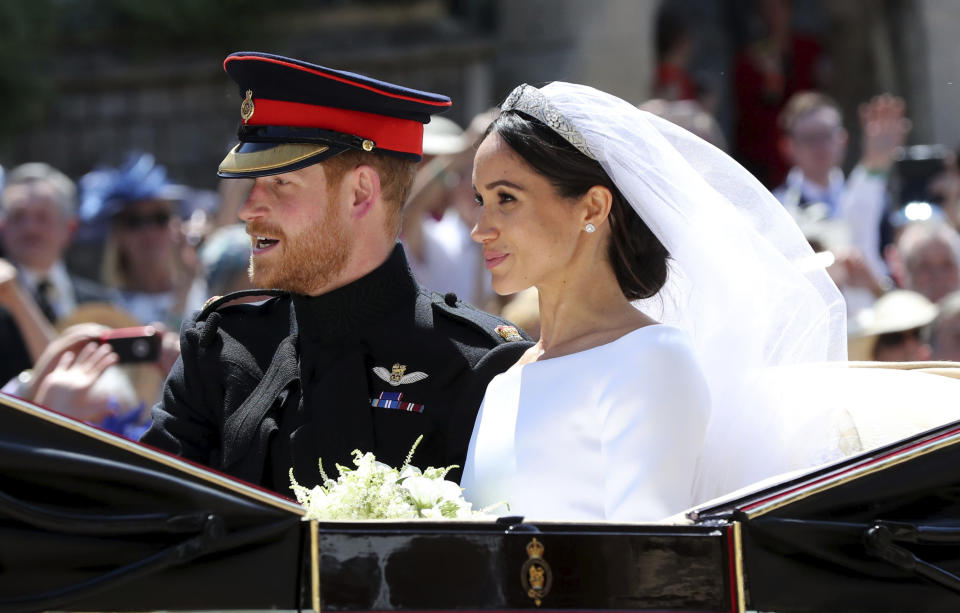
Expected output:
(743, 282)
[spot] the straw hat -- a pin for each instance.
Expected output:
(896, 311)
(102, 313)
(442, 136)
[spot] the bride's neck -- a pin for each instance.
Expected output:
(577, 312)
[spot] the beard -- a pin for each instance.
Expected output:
(308, 261)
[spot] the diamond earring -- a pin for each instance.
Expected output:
(590, 227)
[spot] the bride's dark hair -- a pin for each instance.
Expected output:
(638, 258)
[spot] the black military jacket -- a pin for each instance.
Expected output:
(260, 388)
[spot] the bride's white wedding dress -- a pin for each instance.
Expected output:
(617, 432)
(609, 433)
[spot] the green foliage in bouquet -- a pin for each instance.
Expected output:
(374, 490)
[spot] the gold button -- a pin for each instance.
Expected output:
(368, 145)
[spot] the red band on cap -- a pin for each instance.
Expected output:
(325, 75)
(403, 135)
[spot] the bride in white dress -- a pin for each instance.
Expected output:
(659, 382)
(667, 276)
(603, 417)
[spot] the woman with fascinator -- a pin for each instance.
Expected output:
(136, 208)
(679, 305)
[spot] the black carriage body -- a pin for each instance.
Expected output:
(92, 522)
(486, 566)
(877, 532)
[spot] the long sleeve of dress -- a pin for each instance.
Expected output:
(652, 433)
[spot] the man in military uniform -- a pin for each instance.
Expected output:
(349, 353)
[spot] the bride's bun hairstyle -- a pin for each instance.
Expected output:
(638, 258)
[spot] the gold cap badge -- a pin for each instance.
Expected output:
(247, 107)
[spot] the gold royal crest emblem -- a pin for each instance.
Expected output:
(247, 107)
(535, 574)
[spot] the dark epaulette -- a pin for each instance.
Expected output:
(216, 302)
(208, 319)
(498, 329)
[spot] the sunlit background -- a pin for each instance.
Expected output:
(84, 81)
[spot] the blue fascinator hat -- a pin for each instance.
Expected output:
(107, 192)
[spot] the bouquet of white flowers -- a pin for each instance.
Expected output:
(374, 490)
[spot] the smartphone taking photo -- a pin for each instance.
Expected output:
(134, 345)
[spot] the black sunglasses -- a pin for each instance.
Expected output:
(136, 222)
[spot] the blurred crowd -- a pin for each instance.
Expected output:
(96, 276)
(887, 230)
(91, 267)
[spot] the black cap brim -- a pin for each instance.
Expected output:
(251, 160)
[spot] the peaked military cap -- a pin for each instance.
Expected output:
(294, 114)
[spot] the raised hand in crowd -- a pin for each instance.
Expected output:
(851, 269)
(885, 128)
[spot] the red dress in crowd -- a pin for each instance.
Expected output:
(673, 83)
(764, 82)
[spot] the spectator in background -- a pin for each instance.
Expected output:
(893, 330)
(814, 141)
(816, 192)
(927, 259)
(24, 331)
(689, 115)
(231, 194)
(146, 256)
(225, 261)
(440, 213)
(674, 47)
(767, 73)
(945, 330)
(37, 221)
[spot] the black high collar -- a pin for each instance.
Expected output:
(348, 309)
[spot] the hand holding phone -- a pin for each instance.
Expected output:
(134, 345)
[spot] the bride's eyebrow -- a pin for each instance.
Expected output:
(504, 183)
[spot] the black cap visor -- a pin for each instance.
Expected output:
(264, 159)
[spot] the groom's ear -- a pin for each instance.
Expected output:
(596, 205)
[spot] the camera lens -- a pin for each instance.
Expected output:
(140, 348)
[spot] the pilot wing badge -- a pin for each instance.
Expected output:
(395, 376)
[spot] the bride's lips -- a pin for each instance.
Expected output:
(492, 259)
(262, 244)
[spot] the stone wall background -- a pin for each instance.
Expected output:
(103, 101)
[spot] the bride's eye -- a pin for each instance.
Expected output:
(478, 199)
(505, 197)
